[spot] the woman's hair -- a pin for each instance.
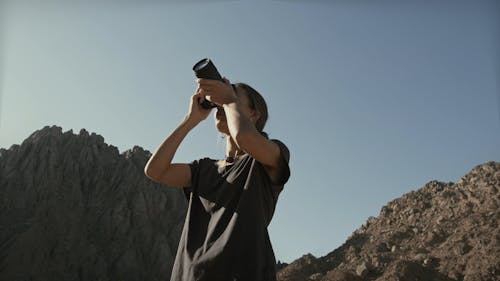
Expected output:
(257, 102)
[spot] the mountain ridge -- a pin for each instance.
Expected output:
(73, 208)
(442, 231)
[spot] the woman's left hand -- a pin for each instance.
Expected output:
(216, 91)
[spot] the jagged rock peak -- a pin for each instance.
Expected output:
(94, 136)
(487, 170)
(136, 151)
(49, 134)
(55, 132)
(83, 132)
(45, 132)
(137, 155)
(308, 257)
(54, 135)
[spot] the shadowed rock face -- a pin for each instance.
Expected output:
(443, 231)
(73, 208)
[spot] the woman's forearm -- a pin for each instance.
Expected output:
(238, 124)
(162, 158)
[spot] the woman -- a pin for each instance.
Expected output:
(231, 201)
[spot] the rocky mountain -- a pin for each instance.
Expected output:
(73, 208)
(443, 231)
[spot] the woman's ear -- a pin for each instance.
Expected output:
(255, 116)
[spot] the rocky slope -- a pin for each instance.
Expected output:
(443, 231)
(73, 208)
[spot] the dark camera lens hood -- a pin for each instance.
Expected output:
(206, 69)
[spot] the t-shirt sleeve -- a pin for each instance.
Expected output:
(195, 171)
(284, 167)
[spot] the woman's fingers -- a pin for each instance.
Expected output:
(203, 81)
(216, 91)
(212, 86)
(210, 83)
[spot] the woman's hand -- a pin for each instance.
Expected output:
(197, 113)
(218, 92)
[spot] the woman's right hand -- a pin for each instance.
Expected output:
(197, 113)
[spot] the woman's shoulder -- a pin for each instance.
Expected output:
(283, 148)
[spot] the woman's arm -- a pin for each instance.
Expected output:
(159, 167)
(246, 136)
(241, 128)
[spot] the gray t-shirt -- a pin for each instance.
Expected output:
(225, 233)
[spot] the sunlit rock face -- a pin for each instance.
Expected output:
(73, 208)
(443, 231)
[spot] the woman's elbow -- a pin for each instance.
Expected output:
(149, 172)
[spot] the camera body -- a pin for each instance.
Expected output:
(206, 69)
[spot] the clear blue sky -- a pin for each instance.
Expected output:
(373, 98)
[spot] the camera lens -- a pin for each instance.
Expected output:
(201, 64)
(206, 69)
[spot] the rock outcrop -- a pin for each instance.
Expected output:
(73, 208)
(443, 231)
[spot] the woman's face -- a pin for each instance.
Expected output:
(220, 116)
